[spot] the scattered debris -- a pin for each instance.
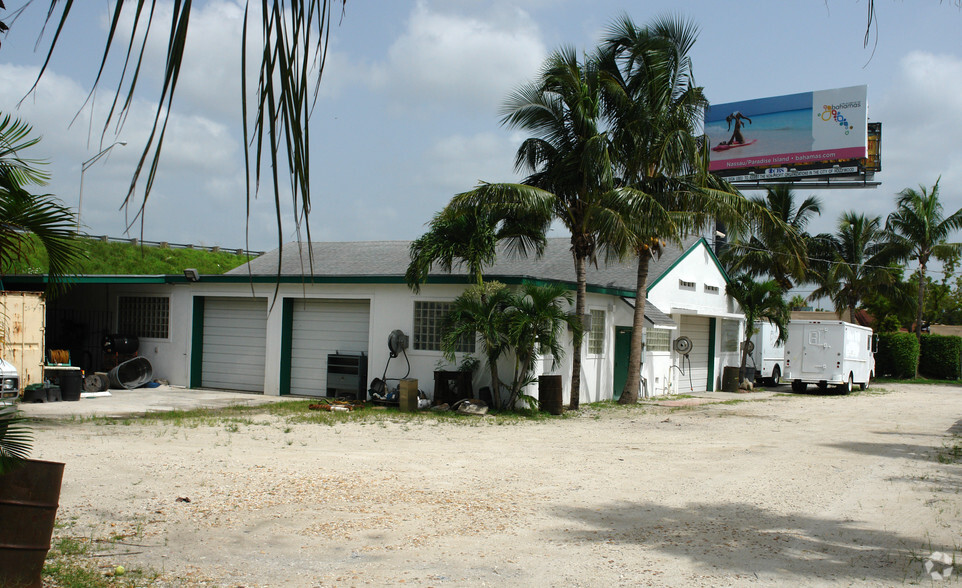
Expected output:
(337, 405)
(182, 499)
(471, 406)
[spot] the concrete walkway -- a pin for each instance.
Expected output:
(126, 403)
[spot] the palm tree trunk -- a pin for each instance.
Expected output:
(580, 295)
(495, 383)
(629, 395)
(918, 311)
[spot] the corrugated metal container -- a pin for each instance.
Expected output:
(23, 316)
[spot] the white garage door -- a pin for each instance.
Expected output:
(695, 328)
(322, 327)
(235, 339)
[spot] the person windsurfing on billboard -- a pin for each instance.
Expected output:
(737, 137)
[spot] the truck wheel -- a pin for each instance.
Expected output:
(799, 386)
(848, 386)
(776, 375)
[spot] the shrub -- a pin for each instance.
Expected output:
(898, 354)
(940, 356)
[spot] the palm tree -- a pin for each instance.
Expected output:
(918, 230)
(568, 158)
(536, 325)
(480, 311)
(759, 301)
(654, 107)
(295, 40)
(852, 264)
(23, 214)
(764, 250)
(471, 239)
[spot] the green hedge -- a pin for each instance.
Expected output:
(898, 354)
(940, 357)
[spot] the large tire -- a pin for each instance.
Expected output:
(799, 386)
(848, 386)
(776, 375)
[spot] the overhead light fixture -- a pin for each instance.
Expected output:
(191, 275)
(720, 234)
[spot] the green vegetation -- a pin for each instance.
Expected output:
(951, 451)
(940, 356)
(897, 356)
(100, 257)
(73, 562)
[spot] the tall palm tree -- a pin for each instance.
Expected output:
(764, 250)
(568, 158)
(918, 230)
(654, 107)
(851, 264)
(23, 214)
(471, 239)
(759, 301)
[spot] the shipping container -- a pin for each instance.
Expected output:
(23, 322)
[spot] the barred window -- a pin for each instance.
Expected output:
(596, 336)
(657, 340)
(729, 335)
(144, 316)
(428, 323)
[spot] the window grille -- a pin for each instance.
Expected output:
(711, 289)
(729, 335)
(657, 340)
(596, 336)
(686, 285)
(144, 316)
(428, 327)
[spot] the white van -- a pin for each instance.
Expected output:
(827, 353)
(767, 353)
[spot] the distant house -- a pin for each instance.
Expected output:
(270, 326)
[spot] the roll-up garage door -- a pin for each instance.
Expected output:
(322, 327)
(696, 328)
(235, 340)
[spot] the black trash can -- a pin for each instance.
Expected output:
(730, 379)
(70, 384)
(550, 394)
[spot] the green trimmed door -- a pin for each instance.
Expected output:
(622, 354)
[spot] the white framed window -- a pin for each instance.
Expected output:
(657, 340)
(428, 327)
(729, 335)
(144, 316)
(596, 334)
(711, 289)
(685, 285)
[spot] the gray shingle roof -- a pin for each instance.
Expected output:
(391, 258)
(653, 316)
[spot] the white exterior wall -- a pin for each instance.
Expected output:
(392, 307)
(169, 358)
(672, 298)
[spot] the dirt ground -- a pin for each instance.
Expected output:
(798, 489)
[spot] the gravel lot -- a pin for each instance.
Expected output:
(804, 489)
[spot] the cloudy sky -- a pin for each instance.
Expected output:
(409, 110)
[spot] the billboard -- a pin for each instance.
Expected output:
(787, 131)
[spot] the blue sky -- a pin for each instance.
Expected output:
(408, 114)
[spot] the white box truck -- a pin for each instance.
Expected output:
(829, 353)
(767, 354)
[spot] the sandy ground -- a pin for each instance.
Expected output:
(810, 490)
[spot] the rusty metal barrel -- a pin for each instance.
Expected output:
(29, 497)
(549, 394)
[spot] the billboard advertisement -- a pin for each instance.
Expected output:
(791, 130)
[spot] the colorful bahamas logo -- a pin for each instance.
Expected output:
(834, 114)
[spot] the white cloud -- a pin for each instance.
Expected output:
(468, 61)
